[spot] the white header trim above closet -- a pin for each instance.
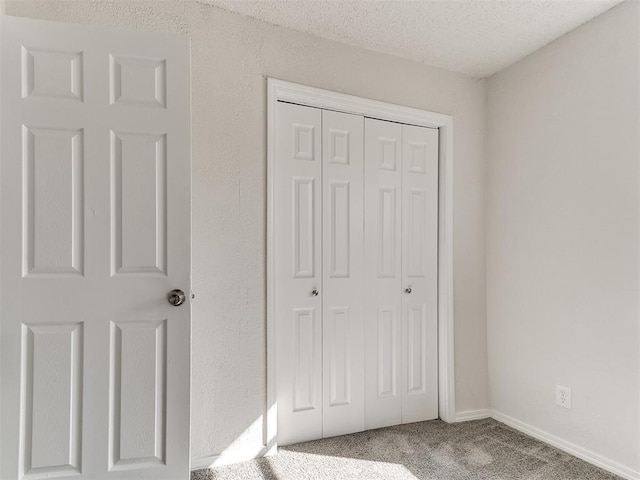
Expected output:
(280, 90)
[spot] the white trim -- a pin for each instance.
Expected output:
(568, 447)
(340, 102)
(473, 415)
(225, 459)
(279, 90)
(205, 462)
(446, 316)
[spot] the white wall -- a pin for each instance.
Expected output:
(231, 56)
(562, 236)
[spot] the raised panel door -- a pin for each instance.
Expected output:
(342, 285)
(419, 273)
(95, 216)
(298, 271)
(382, 272)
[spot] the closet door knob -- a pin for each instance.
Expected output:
(408, 290)
(315, 292)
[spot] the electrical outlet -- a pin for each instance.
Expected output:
(563, 396)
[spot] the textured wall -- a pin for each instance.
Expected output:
(562, 236)
(231, 56)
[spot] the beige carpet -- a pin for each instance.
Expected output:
(478, 450)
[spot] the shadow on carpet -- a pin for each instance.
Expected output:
(476, 450)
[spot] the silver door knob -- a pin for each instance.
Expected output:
(176, 297)
(408, 290)
(315, 292)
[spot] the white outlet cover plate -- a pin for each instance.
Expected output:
(563, 396)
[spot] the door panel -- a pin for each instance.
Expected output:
(420, 273)
(53, 201)
(139, 210)
(95, 212)
(298, 243)
(52, 388)
(387, 353)
(137, 405)
(304, 218)
(340, 371)
(305, 340)
(343, 289)
(383, 276)
(387, 234)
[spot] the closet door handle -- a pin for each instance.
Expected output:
(315, 292)
(407, 290)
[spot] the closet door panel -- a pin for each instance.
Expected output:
(298, 243)
(419, 273)
(343, 289)
(383, 273)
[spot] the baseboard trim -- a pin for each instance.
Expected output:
(225, 459)
(203, 462)
(473, 415)
(568, 447)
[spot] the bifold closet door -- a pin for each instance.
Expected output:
(401, 207)
(356, 204)
(298, 271)
(319, 273)
(419, 273)
(343, 289)
(383, 272)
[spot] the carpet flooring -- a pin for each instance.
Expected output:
(476, 450)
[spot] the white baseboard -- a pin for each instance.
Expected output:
(203, 462)
(570, 448)
(226, 459)
(473, 415)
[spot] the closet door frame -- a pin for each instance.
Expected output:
(283, 91)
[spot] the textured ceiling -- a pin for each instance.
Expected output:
(475, 37)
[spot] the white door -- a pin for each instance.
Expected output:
(95, 231)
(343, 278)
(383, 273)
(319, 272)
(401, 271)
(356, 227)
(419, 273)
(298, 271)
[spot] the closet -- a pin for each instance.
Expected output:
(355, 285)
